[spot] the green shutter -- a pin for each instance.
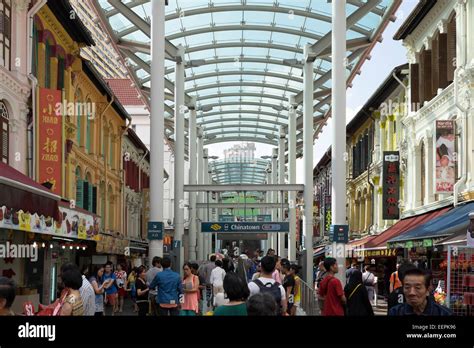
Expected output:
(94, 200)
(86, 196)
(88, 135)
(79, 193)
(91, 198)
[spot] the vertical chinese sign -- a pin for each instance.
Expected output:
(49, 139)
(391, 185)
(445, 157)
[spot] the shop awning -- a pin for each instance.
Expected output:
(453, 221)
(19, 192)
(380, 241)
(358, 242)
(319, 251)
(458, 239)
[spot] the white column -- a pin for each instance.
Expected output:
(281, 180)
(266, 243)
(179, 109)
(273, 236)
(377, 142)
(207, 215)
(429, 165)
(157, 129)
(308, 78)
(192, 179)
(338, 132)
(292, 178)
(409, 196)
(200, 180)
(389, 126)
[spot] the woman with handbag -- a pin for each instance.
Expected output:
(358, 303)
(190, 302)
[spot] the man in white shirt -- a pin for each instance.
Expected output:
(217, 279)
(266, 283)
(150, 275)
(88, 297)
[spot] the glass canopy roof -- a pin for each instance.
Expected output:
(252, 52)
(239, 171)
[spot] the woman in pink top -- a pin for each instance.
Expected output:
(190, 300)
(277, 273)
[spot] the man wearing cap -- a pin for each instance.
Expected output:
(470, 231)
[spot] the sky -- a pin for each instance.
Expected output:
(385, 56)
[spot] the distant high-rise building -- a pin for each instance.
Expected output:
(239, 152)
(103, 55)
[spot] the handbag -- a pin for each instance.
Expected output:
(54, 308)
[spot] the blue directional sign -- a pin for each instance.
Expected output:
(244, 227)
(226, 218)
(176, 244)
(339, 233)
(155, 230)
(264, 218)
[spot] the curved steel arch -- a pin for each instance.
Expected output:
(241, 72)
(255, 132)
(240, 138)
(229, 95)
(253, 126)
(241, 84)
(243, 102)
(243, 60)
(260, 8)
(251, 27)
(241, 112)
(255, 120)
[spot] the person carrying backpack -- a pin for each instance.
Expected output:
(266, 284)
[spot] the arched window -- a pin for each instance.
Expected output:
(4, 140)
(89, 128)
(5, 33)
(102, 204)
(78, 109)
(79, 188)
(111, 150)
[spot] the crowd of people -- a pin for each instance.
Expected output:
(411, 291)
(225, 286)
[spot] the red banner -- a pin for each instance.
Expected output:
(50, 139)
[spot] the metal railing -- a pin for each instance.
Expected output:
(309, 301)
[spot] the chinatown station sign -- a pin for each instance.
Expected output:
(391, 185)
(244, 227)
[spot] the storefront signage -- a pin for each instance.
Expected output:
(50, 140)
(70, 223)
(445, 159)
(380, 253)
(155, 230)
(339, 233)
(391, 185)
(112, 245)
(245, 227)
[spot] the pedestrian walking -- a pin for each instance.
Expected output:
(73, 304)
(237, 292)
(112, 290)
(277, 273)
(150, 275)
(131, 288)
(416, 283)
(266, 284)
(190, 302)
(217, 280)
(350, 271)
(358, 303)
(96, 280)
(320, 275)
(395, 281)
(142, 292)
(7, 296)
(169, 289)
(331, 290)
(368, 278)
(121, 279)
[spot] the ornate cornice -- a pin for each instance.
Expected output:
(10, 85)
(61, 35)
